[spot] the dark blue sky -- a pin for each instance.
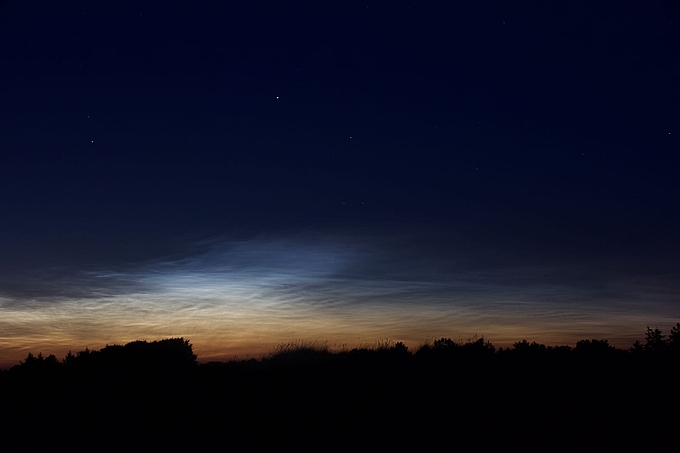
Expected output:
(531, 149)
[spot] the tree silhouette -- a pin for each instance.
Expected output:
(674, 338)
(441, 349)
(399, 348)
(479, 346)
(594, 348)
(69, 358)
(655, 340)
(637, 348)
(445, 343)
(39, 365)
(525, 348)
(31, 360)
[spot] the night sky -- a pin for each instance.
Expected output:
(243, 175)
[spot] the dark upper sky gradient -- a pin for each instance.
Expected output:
(513, 135)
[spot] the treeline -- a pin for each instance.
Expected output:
(314, 398)
(176, 354)
(173, 354)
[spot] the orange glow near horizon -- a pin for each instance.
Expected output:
(219, 333)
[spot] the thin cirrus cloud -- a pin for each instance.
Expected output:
(245, 296)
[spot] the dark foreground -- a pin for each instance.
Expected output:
(447, 396)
